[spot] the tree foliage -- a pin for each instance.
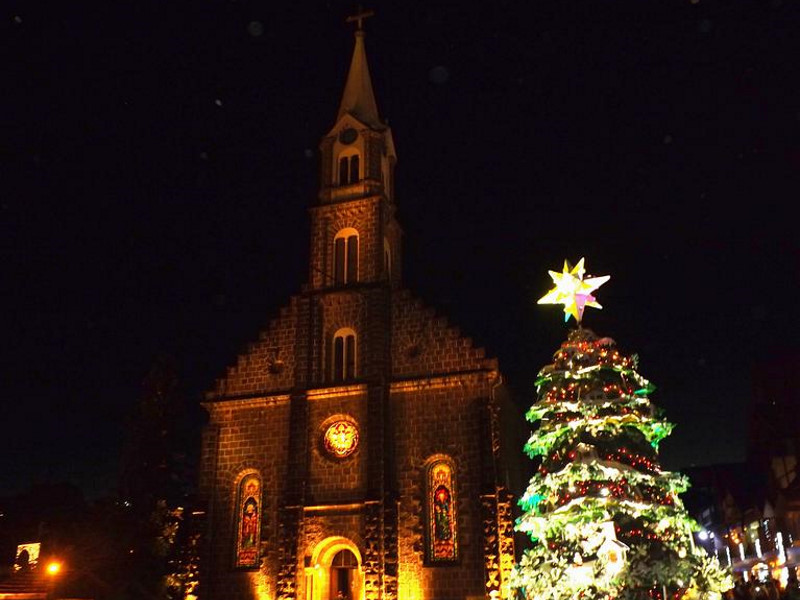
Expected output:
(605, 519)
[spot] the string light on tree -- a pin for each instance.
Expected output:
(607, 522)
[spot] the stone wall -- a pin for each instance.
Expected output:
(242, 436)
(331, 480)
(266, 365)
(440, 419)
(424, 344)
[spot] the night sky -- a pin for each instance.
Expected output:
(160, 159)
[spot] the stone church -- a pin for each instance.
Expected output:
(354, 450)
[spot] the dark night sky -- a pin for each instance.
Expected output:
(161, 158)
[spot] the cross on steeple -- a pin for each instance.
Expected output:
(359, 17)
(358, 98)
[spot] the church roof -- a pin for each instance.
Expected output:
(358, 98)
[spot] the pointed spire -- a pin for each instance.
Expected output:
(358, 98)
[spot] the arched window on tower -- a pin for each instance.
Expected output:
(349, 167)
(343, 355)
(441, 511)
(345, 256)
(248, 521)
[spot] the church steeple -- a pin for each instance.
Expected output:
(358, 155)
(358, 99)
(355, 238)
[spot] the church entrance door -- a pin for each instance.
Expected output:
(334, 571)
(342, 576)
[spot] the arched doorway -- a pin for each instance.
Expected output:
(343, 572)
(335, 572)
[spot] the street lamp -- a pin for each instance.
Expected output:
(53, 568)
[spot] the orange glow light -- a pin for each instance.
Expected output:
(341, 439)
(53, 568)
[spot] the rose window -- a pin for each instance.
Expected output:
(341, 439)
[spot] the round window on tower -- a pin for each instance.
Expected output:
(348, 136)
(340, 438)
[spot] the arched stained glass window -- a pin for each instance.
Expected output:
(442, 526)
(248, 521)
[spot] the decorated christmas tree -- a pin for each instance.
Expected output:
(605, 519)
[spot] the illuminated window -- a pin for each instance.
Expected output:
(441, 508)
(343, 365)
(345, 256)
(248, 521)
(349, 168)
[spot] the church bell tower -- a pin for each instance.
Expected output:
(356, 181)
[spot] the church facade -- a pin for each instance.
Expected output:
(353, 450)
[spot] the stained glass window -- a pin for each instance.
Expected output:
(248, 519)
(340, 439)
(442, 530)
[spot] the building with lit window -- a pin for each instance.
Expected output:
(750, 512)
(353, 450)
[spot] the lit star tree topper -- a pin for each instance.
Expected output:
(573, 291)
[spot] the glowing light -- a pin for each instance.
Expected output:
(53, 568)
(781, 548)
(741, 550)
(782, 575)
(703, 535)
(341, 439)
(249, 521)
(573, 291)
(580, 576)
(442, 532)
(410, 584)
(758, 549)
(588, 400)
(260, 585)
(31, 551)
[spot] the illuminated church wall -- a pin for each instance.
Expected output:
(446, 421)
(333, 477)
(363, 216)
(243, 437)
(268, 364)
(424, 343)
(344, 457)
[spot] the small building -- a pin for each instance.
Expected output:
(750, 512)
